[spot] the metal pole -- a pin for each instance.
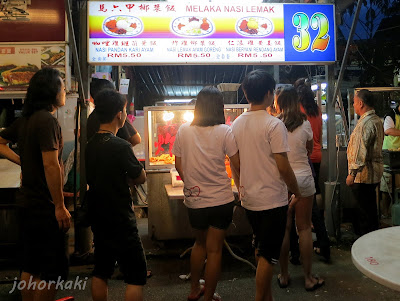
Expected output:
(331, 123)
(82, 235)
(346, 53)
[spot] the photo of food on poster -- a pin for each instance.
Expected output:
(19, 63)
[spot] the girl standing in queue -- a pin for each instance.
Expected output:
(300, 138)
(200, 149)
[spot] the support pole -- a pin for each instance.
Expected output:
(343, 67)
(82, 235)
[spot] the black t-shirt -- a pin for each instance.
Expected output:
(39, 133)
(93, 125)
(110, 161)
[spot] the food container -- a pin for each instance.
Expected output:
(391, 158)
(175, 178)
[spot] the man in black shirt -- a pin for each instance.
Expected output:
(111, 167)
(127, 132)
(43, 216)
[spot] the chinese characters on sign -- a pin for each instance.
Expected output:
(161, 33)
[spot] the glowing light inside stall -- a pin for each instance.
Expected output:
(177, 100)
(168, 116)
(324, 117)
(188, 116)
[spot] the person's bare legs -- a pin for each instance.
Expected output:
(28, 294)
(197, 258)
(284, 255)
(214, 245)
(99, 289)
(303, 210)
(264, 274)
(48, 293)
(134, 292)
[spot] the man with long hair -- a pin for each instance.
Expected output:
(44, 220)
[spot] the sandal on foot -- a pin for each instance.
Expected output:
(216, 297)
(317, 285)
(198, 296)
(280, 283)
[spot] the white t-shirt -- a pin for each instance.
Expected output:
(259, 136)
(297, 156)
(388, 123)
(203, 151)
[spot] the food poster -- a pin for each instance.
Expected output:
(203, 32)
(32, 21)
(19, 63)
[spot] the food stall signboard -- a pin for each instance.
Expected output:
(219, 33)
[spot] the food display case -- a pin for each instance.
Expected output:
(167, 216)
(161, 126)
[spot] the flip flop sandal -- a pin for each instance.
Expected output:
(316, 285)
(199, 295)
(280, 284)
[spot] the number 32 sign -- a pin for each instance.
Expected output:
(309, 33)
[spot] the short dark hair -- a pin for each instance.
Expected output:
(97, 85)
(209, 108)
(257, 84)
(367, 97)
(109, 103)
(42, 91)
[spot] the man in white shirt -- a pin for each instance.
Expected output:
(391, 126)
(265, 175)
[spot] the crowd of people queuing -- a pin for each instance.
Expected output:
(275, 153)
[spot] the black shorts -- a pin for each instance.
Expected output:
(127, 252)
(44, 245)
(219, 217)
(268, 231)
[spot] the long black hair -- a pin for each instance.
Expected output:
(209, 109)
(42, 91)
(288, 108)
(306, 97)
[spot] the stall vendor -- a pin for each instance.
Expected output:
(391, 141)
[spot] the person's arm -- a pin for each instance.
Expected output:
(235, 168)
(139, 180)
(135, 139)
(286, 172)
(52, 170)
(178, 166)
(309, 147)
(7, 152)
(392, 132)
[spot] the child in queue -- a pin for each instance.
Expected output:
(200, 149)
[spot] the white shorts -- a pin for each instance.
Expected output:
(306, 185)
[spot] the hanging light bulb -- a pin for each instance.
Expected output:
(188, 116)
(167, 116)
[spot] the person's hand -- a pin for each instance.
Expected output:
(350, 180)
(63, 218)
(292, 202)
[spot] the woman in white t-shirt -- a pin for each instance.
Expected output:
(300, 139)
(200, 149)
